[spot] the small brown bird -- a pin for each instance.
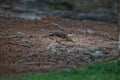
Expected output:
(59, 37)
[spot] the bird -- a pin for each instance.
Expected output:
(59, 37)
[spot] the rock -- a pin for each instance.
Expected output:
(29, 16)
(81, 51)
(88, 31)
(56, 48)
(70, 35)
(96, 53)
(93, 48)
(20, 33)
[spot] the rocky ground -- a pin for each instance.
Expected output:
(23, 50)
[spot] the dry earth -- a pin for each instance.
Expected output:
(22, 49)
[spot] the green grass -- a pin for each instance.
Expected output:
(104, 70)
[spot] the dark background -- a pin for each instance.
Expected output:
(102, 10)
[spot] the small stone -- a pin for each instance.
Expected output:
(88, 31)
(56, 48)
(97, 54)
(20, 33)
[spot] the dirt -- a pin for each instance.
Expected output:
(23, 50)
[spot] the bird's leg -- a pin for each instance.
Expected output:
(57, 40)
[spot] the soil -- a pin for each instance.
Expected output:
(23, 50)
